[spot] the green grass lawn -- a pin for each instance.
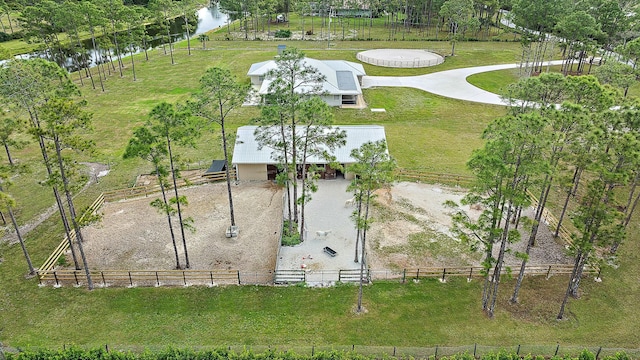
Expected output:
(421, 127)
(424, 132)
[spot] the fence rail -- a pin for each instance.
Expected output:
(146, 278)
(470, 272)
(119, 278)
(146, 190)
(449, 179)
(470, 351)
(51, 261)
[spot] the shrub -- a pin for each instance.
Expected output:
(290, 239)
(283, 33)
(8, 37)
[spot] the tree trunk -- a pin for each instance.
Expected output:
(6, 149)
(568, 291)
(85, 64)
(72, 213)
(175, 191)
(56, 194)
(99, 61)
(287, 173)
(166, 209)
(186, 24)
(499, 262)
(532, 236)
(358, 198)
(32, 271)
(570, 192)
(133, 65)
(117, 47)
(226, 158)
(169, 38)
(364, 239)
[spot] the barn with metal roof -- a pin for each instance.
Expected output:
(255, 163)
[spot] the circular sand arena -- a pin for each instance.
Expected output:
(400, 58)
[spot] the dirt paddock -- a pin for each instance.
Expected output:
(135, 236)
(411, 230)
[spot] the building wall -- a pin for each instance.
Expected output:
(256, 80)
(333, 100)
(252, 171)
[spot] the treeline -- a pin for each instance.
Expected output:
(223, 354)
(98, 32)
(570, 135)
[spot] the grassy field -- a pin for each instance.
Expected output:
(424, 132)
(442, 131)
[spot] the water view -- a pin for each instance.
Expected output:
(209, 18)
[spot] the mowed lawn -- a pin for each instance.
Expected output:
(424, 132)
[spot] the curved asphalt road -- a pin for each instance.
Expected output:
(450, 83)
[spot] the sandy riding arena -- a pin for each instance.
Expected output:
(134, 236)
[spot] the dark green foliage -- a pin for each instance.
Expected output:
(283, 33)
(8, 37)
(290, 238)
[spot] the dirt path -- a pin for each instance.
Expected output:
(94, 170)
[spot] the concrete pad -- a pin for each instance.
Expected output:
(325, 212)
(400, 58)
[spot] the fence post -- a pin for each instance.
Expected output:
(436, 355)
(518, 351)
(55, 275)
(418, 274)
(475, 347)
(130, 280)
(470, 274)
(557, 348)
(404, 275)
(211, 276)
(313, 350)
(394, 351)
(39, 277)
(157, 279)
(238, 272)
(549, 272)
(598, 353)
(184, 278)
(75, 275)
(444, 272)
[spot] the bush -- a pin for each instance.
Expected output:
(8, 37)
(290, 239)
(283, 33)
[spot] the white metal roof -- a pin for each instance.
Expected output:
(246, 150)
(329, 68)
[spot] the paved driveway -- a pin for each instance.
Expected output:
(451, 83)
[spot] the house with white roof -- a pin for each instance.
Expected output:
(340, 88)
(254, 163)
